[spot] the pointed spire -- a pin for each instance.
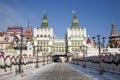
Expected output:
(113, 31)
(28, 32)
(74, 21)
(88, 40)
(44, 20)
(31, 28)
(28, 23)
(28, 27)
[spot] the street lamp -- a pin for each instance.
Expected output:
(99, 50)
(76, 51)
(47, 56)
(43, 54)
(103, 38)
(37, 66)
(51, 55)
(68, 56)
(73, 59)
(20, 57)
(84, 56)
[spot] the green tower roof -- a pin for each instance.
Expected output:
(75, 21)
(44, 22)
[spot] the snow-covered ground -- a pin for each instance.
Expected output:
(60, 71)
(95, 74)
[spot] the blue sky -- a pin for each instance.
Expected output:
(95, 15)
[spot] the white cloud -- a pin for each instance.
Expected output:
(9, 17)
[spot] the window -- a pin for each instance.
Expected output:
(44, 35)
(41, 36)
(48, 35)
(37, 35)
(41, 43)
(44, 42)
(47, 42)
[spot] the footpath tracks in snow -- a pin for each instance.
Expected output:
(58, 71)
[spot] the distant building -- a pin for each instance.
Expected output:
(28, 33)
(11, 37)
(114, 39)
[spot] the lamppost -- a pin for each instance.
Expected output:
(43, 54)
(99, 50)
(47, 56)
(68, 55)
(20, 57)
(50, 54)
(73, 59)
(84, 56)
(37, 66)
(76, 51)
(103, 38)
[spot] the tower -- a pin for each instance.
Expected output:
(43, 36)
(76, 36)
(114, 39)
(75, 21)
(44, 21)
(28, 32)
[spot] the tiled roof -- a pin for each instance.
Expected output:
(113, 31)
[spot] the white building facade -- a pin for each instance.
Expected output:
(45, 42)
(76, 37)
(43, 37)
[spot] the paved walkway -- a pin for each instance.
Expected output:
(58, 71)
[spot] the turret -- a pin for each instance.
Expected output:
(74, 21)
(44, 21)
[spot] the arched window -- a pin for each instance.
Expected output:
(41, 43)
(48, 35)
(44, 49)
(41, 35)
(44, 42)
(44, 35)
(37, 35)
(47, 42)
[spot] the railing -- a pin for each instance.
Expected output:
(10, 64)
(110, 63)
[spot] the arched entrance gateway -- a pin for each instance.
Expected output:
(59, 58)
